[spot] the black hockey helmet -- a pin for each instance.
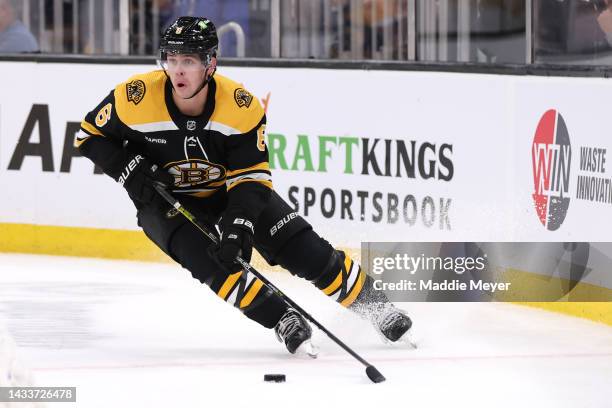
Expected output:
(190, 35)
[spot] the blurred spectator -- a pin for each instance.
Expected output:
(374, 22)
(220, 12)
(605, 20)
(497, 31)
(166, 13)
(14, 36)
(573, 30)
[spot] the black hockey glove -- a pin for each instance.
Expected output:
(139, 176)
(236, 240)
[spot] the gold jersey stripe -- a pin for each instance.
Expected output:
(228, 285)
(90, 128)
(217, 183)
(260, 166)
(250, 295)
(214, 186)
(203, 194)
(356, 290)
(264, 182)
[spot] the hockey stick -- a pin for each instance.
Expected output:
(371, 371)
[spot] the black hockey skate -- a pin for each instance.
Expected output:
(293, 330)
(393, 324)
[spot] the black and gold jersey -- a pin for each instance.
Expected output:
(208, 155)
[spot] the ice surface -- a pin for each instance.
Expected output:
(131, 334)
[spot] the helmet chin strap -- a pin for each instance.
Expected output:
(204, 83)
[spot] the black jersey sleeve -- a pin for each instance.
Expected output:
(249, 181)
(100, 138)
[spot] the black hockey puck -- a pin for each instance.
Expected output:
(274, 378)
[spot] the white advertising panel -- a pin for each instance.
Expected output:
(363, 155)
(562, 123)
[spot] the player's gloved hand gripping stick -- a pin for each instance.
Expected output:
(371, 371)
(237, 240)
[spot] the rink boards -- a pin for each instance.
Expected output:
(363, 155)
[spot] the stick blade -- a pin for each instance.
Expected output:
(374, 374)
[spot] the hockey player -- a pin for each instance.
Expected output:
(202, 135)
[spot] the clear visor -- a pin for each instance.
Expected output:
(182, 62)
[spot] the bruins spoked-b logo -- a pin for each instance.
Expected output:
(242, 97)
(136, 91)
(197, 176)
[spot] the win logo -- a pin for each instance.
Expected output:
(551, 155)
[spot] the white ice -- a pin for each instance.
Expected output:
(130, 334)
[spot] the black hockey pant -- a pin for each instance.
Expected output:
(282, 237)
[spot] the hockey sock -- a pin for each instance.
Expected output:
(249, 294)
(343, 281)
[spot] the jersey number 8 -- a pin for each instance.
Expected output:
(104, 115)
(261, 141)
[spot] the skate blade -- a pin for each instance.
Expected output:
(407, 340)
(307, 349)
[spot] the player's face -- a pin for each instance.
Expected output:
(186, 71)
